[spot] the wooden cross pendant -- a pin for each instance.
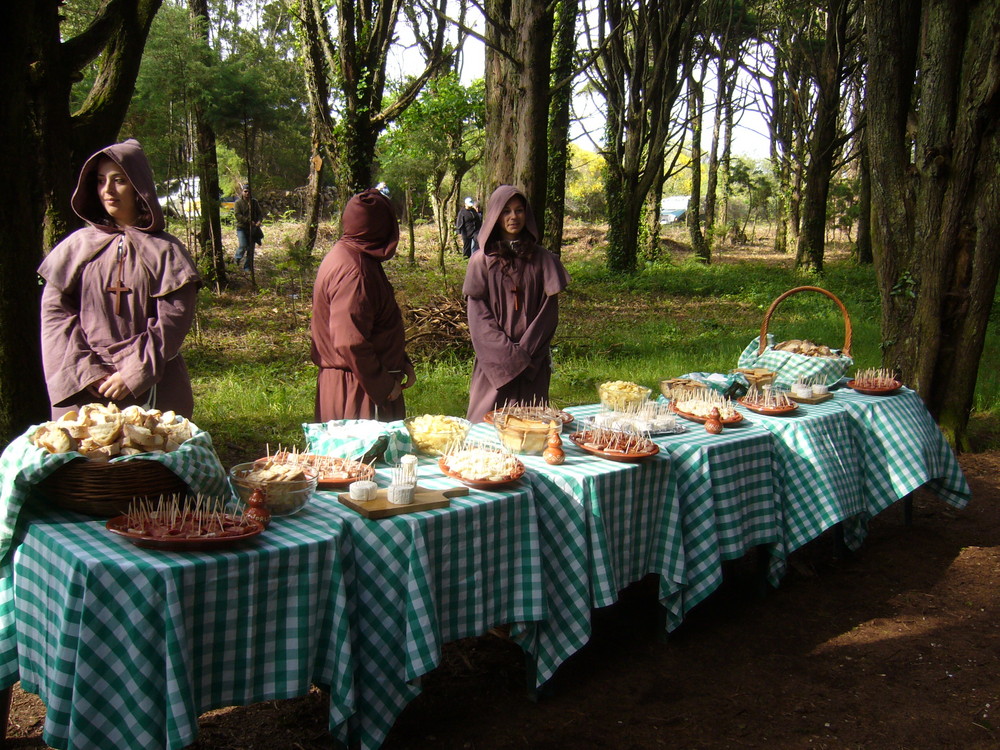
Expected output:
(119, 288)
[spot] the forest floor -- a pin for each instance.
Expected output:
(894, 646)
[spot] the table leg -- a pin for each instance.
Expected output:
(908, 510)
(5, 696)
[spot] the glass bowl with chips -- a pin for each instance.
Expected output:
(622, 395)
(436, 434)
(287, 488)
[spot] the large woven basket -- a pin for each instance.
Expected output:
(791, 367)
(106, 489)
(845, 350)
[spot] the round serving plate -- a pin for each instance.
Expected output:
(769, 411)
(695, 418)
(331, 481)
(119, 525)
(565, 416)
(875, 391)
(482, 484)
(612, 455)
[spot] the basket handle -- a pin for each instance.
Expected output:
(846, 349)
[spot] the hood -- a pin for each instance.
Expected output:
(369, 225)
(495, 205)
(130, 157)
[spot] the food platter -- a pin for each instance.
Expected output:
(565, 416)
(875, 391)
(769, 411)
(613, 455)
(735, 419)
(482, 484)
(332, 472)
(233, 533)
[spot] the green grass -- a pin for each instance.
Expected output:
(254, 383)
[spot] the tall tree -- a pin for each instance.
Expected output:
(352, 40)
(933, 105)
(825, 142)
(640, 46)
(563, 72)
(44, 146)
(518, 67)
(206, 157)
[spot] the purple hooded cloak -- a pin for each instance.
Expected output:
(513, 312)
(358, 339)
(83, 338)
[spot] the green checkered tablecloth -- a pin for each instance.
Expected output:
(728, 495)
(127, 646)
(603, 524)
(849, 458)
(901, 449)
(22, 465)
(418, 580)
(820, 473)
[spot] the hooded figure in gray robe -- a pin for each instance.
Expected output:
(511, 290)
(118, 299)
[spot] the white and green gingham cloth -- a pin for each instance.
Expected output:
(418, 580)
(789, 367)
(22, 465)
(540, 554)
(127, 647)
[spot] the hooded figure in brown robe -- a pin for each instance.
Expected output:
(511, 293)
(119, 294)
(357, 329)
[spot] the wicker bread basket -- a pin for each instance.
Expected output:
(106, 489)
(848, 332)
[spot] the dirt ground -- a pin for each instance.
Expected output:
(896, 646)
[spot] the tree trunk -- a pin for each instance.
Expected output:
(316, 60)
(207, 161)
(935, 224)
(864, 253)
(519, 35)
(41, 153)
(824, 144)
(702, 250)
(559, 111)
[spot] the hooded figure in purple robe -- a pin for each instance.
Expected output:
(119, 294)
(358, 339)
(511, 293)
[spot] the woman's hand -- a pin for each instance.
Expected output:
(113, 387)
(411, 376)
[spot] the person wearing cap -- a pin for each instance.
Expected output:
(468, 224)
(248, 217)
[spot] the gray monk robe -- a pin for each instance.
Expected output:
(106, 309)
(358, 337)
(513, 311)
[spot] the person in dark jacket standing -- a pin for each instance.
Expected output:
(468, 224)
(248, 218)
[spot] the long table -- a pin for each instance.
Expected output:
(364, 606)
(127, 647)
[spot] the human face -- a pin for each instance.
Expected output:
(116, 193)
(512, 219)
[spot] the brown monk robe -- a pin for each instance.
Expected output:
(357, 328)
(511, 293)
(119, 294)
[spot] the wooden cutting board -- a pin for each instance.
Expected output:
(423, 499)
(811, 399)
